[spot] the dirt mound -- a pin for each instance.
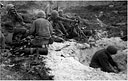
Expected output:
(70, 61)
(121, 60)
(116, 41)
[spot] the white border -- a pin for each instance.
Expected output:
(63, 0)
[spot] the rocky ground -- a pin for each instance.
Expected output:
(70, 60)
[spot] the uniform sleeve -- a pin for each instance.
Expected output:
(111, 61)
(105, 64)
(18, 17)
(65, 19)
(32, 29)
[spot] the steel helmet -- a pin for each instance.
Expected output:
(54, 14)
(111, 50)
(60, 11)
(9, 6)
(41, 13)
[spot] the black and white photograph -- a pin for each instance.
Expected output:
(63, 40)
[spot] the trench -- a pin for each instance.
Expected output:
(71, 61)
(120, 58)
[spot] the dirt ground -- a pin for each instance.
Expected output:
(72, 62)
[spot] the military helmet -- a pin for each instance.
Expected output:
(54, 14)
(9, 6)
(111, 50)
(60, 11)
(41, 13)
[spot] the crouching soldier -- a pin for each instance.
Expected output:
(57, 24)
(104, 61)
(42, 31)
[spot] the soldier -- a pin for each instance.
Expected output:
(57, 23)
(104, 61)
(42, 30)
(14, 16)
(67, 25)
(14, 19)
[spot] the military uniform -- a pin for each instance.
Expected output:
(14, 21)
(42, 30)
(57, 23)
(103, 60)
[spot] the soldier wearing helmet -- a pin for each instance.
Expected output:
(61, 14)
(57, 22)
(14, 20)
(102, 59)
(41, 14)
(14, 16)
(66, 24)
(54, 14)
(41, 29)
(9, 6)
